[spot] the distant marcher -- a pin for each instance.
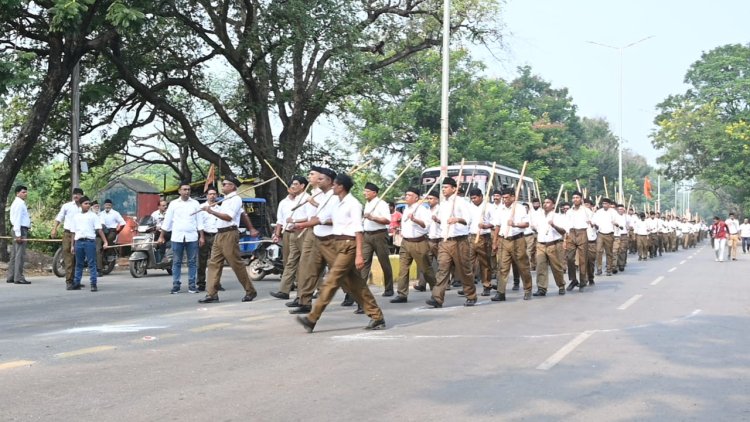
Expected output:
(86, 227)
(21, 222)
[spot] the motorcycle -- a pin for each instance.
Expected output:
(265, 259)
(143, 255)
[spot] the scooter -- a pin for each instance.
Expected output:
(143, 255)
(265, 259)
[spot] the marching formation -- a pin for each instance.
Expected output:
(329, 241)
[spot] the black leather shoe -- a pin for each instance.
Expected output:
(622, 269)
(250, 297)
(75, 287)
(499, 297)
(598, 272)
(209, 299)
(486, 291)
(9, 281)
(376, 324)
(515, 286)
(359, 311)
(456, 283)
(220, 288)
(614, 271)
(280, 295)
(420, 288)
(388, 293)
(561, 292)
(293, 304)
(591, 282)
(461, 293)
(494, 287)
(309, 325)
(348, 301)
(22, 282)
(573, 284)
(434, 303)
(470, 302)
(399, 299)
(526, 295)
(201, 288)
(541, 293)
(304, 309)
(94, 289)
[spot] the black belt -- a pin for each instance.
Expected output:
(578, 230)
(324, 238)
(342, 237)
(434, 240)
(592, 241)
(512, 238)
(226, 229)
(554, 242)
(530, 234)
(208, 234)
(458, 237)
(605, 234)
(376, 231)
(414, 239)
(85, 239)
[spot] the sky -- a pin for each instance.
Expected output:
(551, 36)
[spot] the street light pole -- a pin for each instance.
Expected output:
(619, 142)
(445, 92)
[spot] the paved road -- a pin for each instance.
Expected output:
(666, 340)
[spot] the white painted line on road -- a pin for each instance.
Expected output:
(658, 279)
(121, 328)
(682, 262)
(564, 351)
(16, 364)
(671, 269)
(256, 318)
(630, 301)
(87, 351)
(210, 327)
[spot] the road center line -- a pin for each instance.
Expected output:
(683, 261)
(16, 364)
(658, 279)
(672, 269)
(564, 351)
(86, 351)
(630, 301)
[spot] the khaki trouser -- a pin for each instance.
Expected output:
(591, 260)
(622, 250)
(312, 263)
(340, 255)
(578, 241)
(291, 243)
(663, 242)
(69, 258)
(672, 238)
(642, 242)
(204, 253)
(418, 252)
(549, 256)
(454, 251)
(377, 244)
(226, 247)
(531, 249)
(432, 248)
(514, 250)
(605, 245)
(480, 257)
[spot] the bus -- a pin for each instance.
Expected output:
(476, 174)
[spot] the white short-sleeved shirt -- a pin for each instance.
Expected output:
(545, 232)
(111, 219)
(640, 228)
(604, 219)
(745, 230)
(85, 225)
(327, 202)
(480, 214)
(410, 229)
(377, 208)
(454, 207)
(346, 215)
(66, 214)
(210, 221)
(232, 206)
(434, 226)
(519, 216)
(579, 218)
(158, 218)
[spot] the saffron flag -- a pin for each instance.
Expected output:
(647, 188)
(210, 179)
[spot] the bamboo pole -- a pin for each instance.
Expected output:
(606, 190)
(578, 185)
(557, 201)
(240, 192)
(629, 199)
(33, 240)
(276, 174)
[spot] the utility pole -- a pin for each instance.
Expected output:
(75, 125)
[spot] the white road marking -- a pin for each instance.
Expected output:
(658, 279)
(210, 327)
(16, 364)
(122, 328)
(629, 302)
(682, 262)
(564, 351)
(671, 269)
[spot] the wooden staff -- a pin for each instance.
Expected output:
(276, 174)
(629, 199)
(518, 190)
(122, 245)
(398, 177)
(473, 173)
(453, 206)
(359, 167)
(598, 198)
(557, 201)
(421, 201)
(486, 200)
(566, 196)
(578, 185)
(538, 193)
(239, 192)
(606, 191)
(585, 192)
(33, 240)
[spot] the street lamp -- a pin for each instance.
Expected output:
(619, 141)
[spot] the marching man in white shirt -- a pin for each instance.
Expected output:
(550, 228)
(65, 217)
(509, 235)
(86, 227)
(291, 210)
(376, 219)
(21, 222)
(481, 246)
(186, 225)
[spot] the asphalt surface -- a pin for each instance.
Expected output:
(667, 340)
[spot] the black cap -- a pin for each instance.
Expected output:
(317, 169)
(450, 181)
(328, 172)
(371, 186)
(107, 201)
(508, 191)
(414, 190)
(475, 192)
(84, 199)
(235, 181)
(434, 193)
(300, 179)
